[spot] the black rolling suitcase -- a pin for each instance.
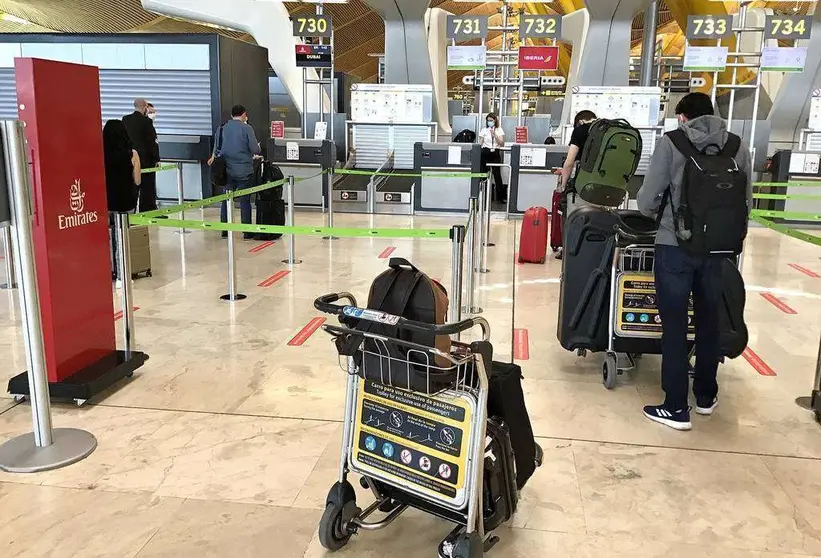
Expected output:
(501, 496)
(584, 302)
(270, 205)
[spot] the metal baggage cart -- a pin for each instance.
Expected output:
(634, 322)
(385, 426)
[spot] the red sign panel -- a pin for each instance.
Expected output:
(521, 134)
(71, 242)
(544, 58)
(277, 129)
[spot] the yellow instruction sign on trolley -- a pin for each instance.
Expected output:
(418, 442)
(637, 313)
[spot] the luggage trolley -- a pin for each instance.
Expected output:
(423, 448)
(634, 323)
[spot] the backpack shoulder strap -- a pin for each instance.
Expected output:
(682, 143)
(733, 145)
(219, 139)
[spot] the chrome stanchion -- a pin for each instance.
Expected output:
(181, 197)
(816, 389)
(330, 203)
(46, 447)
(372, 196)
(232, 295)
(488, 209)
(121, 230)
(8, 255)
(480, 225)
(290, 222)
(470, 283)
(457, 238)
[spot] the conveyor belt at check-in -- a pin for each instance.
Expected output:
(352, 191)
(395, 194)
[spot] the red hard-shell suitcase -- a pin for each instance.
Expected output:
(556, 222)
(533, 241)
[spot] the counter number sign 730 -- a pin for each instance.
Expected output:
(467, 27)
(709, 27)
(312, 26)
(788, 27)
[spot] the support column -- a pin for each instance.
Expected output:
(648, 49)
(405, 33)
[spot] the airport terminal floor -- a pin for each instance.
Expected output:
(225, 443)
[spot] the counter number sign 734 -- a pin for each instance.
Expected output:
(709, 27)
(788, 27)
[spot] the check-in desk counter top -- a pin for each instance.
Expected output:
(192, 152)
(306, 164)
(533, 179)
(433, 194)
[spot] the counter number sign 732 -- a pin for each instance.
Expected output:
(540, 26)
(709, 27)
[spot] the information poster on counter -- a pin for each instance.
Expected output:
(784, 59)
(414, 440)
(641, 106)
(467, 57)
(391, 103)
(815, 111)
(705, 59)
(637, 313)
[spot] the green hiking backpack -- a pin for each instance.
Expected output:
(611, 156)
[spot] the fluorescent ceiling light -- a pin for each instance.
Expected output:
(15, 19)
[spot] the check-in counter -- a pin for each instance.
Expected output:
(192, 152)
(533, 177)
(433, 194)
(307, 160)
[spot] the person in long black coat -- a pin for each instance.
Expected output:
(144, 139)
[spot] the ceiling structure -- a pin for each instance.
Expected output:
(358, 31)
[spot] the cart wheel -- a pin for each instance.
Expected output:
(149, 274)
(333, 532)
(610, 371)
(468, 546)
(539, 455)
(19, 398)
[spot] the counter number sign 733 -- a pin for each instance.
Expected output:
(709, 27)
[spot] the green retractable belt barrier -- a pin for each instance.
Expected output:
(142, 219)
(787, 196)
(159, 168)
(429, 174)
(797, 184)
(800, 235)
(791, 215)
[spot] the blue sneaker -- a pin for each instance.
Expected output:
(706, 405)
(679, 420)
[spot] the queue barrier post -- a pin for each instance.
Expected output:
(181, 196)
(470, 284)
(8, 261)
(457, 238)
(290, 222)
(45, 448)
(232, 295)
(484, 186)
(121, 231)
(816, 390)
(330, 203)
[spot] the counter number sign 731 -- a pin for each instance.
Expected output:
(709, 27)
(467, 27)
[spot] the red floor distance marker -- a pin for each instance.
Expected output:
(805, 271)
(118, 315)
(274, 278)
(757, 363)
(521, 344)
(306, 332)
(261, 247)
(386, 253)
(778, 303)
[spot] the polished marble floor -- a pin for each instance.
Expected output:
(226, 442)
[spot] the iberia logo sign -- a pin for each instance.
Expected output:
(77, 204)
(545, 58)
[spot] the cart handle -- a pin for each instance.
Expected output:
(325, 303)
(624, 231)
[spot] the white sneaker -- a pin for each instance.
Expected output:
(704, 406)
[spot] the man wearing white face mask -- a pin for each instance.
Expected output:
(143, 137)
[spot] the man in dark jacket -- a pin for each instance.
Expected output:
(144, 140)
(678, 273)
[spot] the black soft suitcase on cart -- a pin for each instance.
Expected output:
(270, 205)
(584, 302)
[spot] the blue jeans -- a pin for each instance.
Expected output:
(677, 275)
(235, 183)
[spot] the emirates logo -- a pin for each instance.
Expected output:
(77, 197)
